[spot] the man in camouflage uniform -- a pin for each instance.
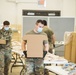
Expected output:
(5, 49)
(50, 35)
(35, 66)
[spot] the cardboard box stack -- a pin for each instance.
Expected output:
(70, 48)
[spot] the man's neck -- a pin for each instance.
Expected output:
(45, 26)
(35, 31)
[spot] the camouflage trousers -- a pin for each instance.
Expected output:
(5, 59)
(34, 66)
(1, 62)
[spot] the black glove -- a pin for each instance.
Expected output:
(25, 53)
(44, 53)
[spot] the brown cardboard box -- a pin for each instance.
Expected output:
(2, 41)
(70, 49)
(73, 51)
(35, 45)
(67, 49)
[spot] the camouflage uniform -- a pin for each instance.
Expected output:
(34, 66)
(1, 62)
(49, 33)
(6, 49)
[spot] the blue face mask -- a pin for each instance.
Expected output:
(39, 30)
(6, 28)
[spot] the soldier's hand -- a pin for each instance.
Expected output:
(25, 53)
(44, 53)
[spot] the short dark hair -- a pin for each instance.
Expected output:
(6, 23)
(45, 22)
(39, 21)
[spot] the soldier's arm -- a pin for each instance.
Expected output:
(24, 48)
(23, 45)
(10, 33)
(53, 38)
(46, 47)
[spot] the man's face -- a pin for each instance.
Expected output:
(6, 27)
(39, 27)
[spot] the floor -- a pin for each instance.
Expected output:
(16, 71)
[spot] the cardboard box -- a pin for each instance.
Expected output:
(67, 51)
(2, 41)
(35, 45)
(70, 49)
(73, 50)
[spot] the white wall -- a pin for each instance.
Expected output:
(7, 11)
(69, 8)
(50, 5)
(13, 11)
